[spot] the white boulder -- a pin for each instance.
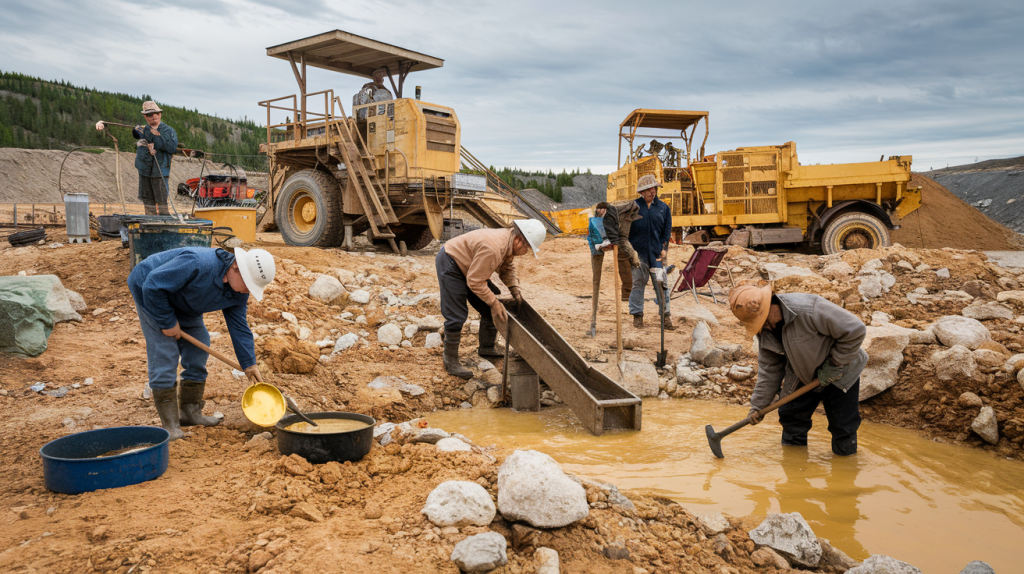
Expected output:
(359, 296)
(546, 560)
(410, 331)
(480, 553)
(958, 330)
(986, 425)
(430, 322)
(776, 271)
(640, 378)
(326, 289)
(884, 346)
(532, 488)
(880, 564)
(433, 340)
(389, 334)
(452, 445)
(346, 341)
(791, 536)
(988, 311)
(459, 503)
(954, 362)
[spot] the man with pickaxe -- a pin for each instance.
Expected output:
(802, 337)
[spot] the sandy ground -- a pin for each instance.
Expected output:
(229, 504)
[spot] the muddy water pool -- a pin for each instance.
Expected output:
(936, 506)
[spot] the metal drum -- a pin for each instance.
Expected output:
(76, 214)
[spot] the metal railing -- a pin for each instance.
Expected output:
(503, 189)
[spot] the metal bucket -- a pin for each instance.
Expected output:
(72, 464)
(76, 215)
(148, 235)
(319, 448)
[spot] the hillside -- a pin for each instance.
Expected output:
(39, 114)
(994, 187)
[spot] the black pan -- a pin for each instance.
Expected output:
(319, 448)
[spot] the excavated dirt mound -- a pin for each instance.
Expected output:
(944, 220)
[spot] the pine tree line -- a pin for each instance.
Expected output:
(39, 114)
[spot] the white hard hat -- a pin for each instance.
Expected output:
(257, 268)
(533, 231)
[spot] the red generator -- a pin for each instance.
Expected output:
(219, 189)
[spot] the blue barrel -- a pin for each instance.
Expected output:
(148, 235)
(71, 466)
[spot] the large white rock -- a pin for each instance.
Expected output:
(958, 330)
(480, 553)
(641, 379)
(359, 296)
(777, 271)
(702, 347)
(433, 340)
(884, 346)
(791, 536)
(459, 503)
(1014, 297)
(713, 522)
(57, 299)
(410, 331)
(430, 322)
(389, 334)
(344, 275)
(955, 362)
(837, 270)
(988, 311)
(546, 560)
(346, 341)
(452, 444)
(986, 425)
(532, 488)
(326, 289)
(880, 564)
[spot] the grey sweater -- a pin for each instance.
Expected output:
(814, 329)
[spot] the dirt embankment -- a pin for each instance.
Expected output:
(230, 505)
(945, 220)
(42, 176)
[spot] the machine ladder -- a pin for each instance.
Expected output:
(362, 175)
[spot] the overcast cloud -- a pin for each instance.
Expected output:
(545, 84)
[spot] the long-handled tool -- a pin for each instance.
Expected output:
(261, 401)
(618, 306)
(659, 294)
(715, 438)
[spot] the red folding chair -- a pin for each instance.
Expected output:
(701, 267)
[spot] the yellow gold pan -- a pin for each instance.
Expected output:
(262, 403)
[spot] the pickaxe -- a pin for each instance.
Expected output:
(715, 438)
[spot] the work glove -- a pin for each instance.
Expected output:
(830, 373)
(634, 260)
(755, 416)
(517, 294)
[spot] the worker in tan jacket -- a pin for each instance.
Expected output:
(464, 268)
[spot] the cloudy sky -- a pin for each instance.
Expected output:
(545, 84)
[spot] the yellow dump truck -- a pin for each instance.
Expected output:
(760, 195)
(390, 167)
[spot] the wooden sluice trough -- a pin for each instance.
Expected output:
(543, 355)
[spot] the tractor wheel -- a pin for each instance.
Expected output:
(854, 231)
(308, 210)
(415, 236)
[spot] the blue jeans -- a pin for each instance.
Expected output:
(636, 295)
(163, 352)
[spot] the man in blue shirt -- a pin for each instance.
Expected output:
(649, 237)
(156, 143)
(172, 290)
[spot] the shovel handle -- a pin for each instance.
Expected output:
(790, 397)
(196, 342)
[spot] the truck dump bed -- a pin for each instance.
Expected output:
(599, 402)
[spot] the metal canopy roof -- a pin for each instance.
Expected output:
(662, 119)
(347, 53)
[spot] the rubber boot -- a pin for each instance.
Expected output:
(451, 357)
(166, 402)
(191, 404)
(638, 321)
(487, 348)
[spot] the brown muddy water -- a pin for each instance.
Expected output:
(936, 506)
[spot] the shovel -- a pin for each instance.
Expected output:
(715, 438)
(659, 294)
(262, 401)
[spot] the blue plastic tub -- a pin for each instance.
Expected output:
(154, 234)
(71, 466)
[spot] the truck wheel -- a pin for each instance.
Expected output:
(854, 231)
(415, 236)
(308, 210)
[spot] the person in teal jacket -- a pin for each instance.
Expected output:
(156, 143)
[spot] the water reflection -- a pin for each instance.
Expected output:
(934, 505)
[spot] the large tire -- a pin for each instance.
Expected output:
(415, 236)
(854, 231)
(308, 210)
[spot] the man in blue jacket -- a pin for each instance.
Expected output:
(156, 143)
(172, 290)
(649, 237)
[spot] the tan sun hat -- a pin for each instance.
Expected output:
(150, 107)
(751, 304)
(646, 182)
